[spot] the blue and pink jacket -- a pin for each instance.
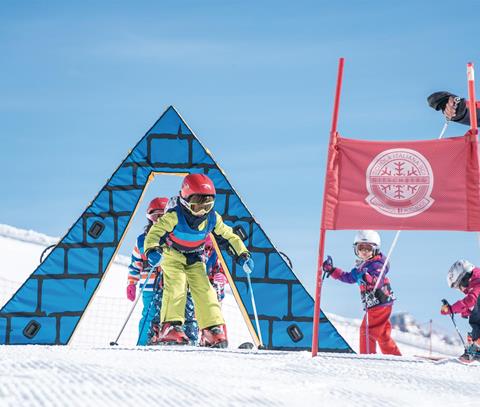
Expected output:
(366, 274)
(472, 292)
(138, 269)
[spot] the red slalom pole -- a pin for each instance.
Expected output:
(321, 247)
(471, 98)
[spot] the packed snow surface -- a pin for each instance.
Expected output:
(66, 376)
(90, 372)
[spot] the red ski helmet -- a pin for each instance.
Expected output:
(156, 209)
(197, 194)
(196, 184)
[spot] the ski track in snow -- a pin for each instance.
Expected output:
(68, 376)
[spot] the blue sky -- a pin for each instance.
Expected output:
(81, 82)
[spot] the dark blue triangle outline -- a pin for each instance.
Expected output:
(56, 295)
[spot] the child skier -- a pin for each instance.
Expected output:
(138, 272)
(139, 269)
(378, 302)
(217, 278)
(465, 277)
(178, 241)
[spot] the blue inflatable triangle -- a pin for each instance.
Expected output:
(48, 306)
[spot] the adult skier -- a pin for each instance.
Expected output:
(376, 326)
(178, 241)
(465, 277)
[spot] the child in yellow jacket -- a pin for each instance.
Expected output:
(177, 242)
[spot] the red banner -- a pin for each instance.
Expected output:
(411, 185)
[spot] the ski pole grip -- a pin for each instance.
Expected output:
(247, 269)
(445, 302)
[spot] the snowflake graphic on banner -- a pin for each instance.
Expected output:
(399, 183)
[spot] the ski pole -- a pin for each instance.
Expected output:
(456, 101)
(248, 271)
(148, 311)
(444, 128)
(445, 302)
(115, 342)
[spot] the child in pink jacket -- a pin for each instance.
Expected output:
(465, 277)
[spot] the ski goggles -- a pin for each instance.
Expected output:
(200, 205)
(365, 247)
(155, 215)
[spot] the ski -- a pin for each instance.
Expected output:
(447, 359)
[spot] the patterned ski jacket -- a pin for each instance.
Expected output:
(366, 274)
(187, 234)
(472, 292)
(138, 269)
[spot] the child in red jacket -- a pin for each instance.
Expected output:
(464, 276)
(376, 326)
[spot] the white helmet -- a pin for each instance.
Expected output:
(367, 236)
(458, 270)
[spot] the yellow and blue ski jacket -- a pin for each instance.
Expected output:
(187, 234)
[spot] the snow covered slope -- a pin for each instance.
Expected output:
(89, 372)
(66, 376)
(105, 316)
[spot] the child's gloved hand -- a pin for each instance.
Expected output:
(220, 278)
(131, 291)
(328, 267)
(246, 262)
(153, 257)
(445, 310)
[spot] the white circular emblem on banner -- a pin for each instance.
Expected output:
(399, 183)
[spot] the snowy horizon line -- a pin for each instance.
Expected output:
(41, 239)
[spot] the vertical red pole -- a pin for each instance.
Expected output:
(321, 247)
(471, 98)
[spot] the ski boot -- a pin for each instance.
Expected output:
(153, 335)
(172, 334)
(214, 337)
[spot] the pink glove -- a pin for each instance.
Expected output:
(131, 291)
(220, 278)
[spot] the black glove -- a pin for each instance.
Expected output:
(381, 295)
(327, 266)
(439, 100)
